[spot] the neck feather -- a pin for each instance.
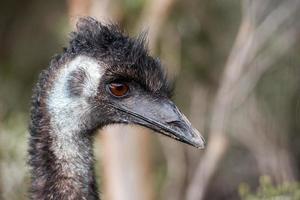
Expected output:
(61, 150)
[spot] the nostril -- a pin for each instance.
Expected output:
(181, 127)
(175, 123)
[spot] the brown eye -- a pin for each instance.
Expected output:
(118, 89)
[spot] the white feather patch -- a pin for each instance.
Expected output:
(68, 111)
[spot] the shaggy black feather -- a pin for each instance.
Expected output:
(124, 55)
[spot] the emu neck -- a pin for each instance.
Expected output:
(62, 165)
(61, 143)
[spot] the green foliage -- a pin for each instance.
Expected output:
(269, 191)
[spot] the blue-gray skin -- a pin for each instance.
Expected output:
(72, 100)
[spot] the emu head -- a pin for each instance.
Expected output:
(106, 77)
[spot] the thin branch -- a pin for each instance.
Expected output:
(243, 52)
(250, 129)
(271, 24)
(261, 65)
(153, 18)
(218, 142)
(78, 8)
(176, 169)
(100, 9)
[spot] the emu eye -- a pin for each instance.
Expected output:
(118, 89)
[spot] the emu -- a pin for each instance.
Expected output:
(103, 77)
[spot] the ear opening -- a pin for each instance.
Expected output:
(76, 81)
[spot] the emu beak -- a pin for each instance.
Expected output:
(163, 117)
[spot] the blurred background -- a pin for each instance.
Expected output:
(236, 68)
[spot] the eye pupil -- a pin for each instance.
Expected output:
(118, 89)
